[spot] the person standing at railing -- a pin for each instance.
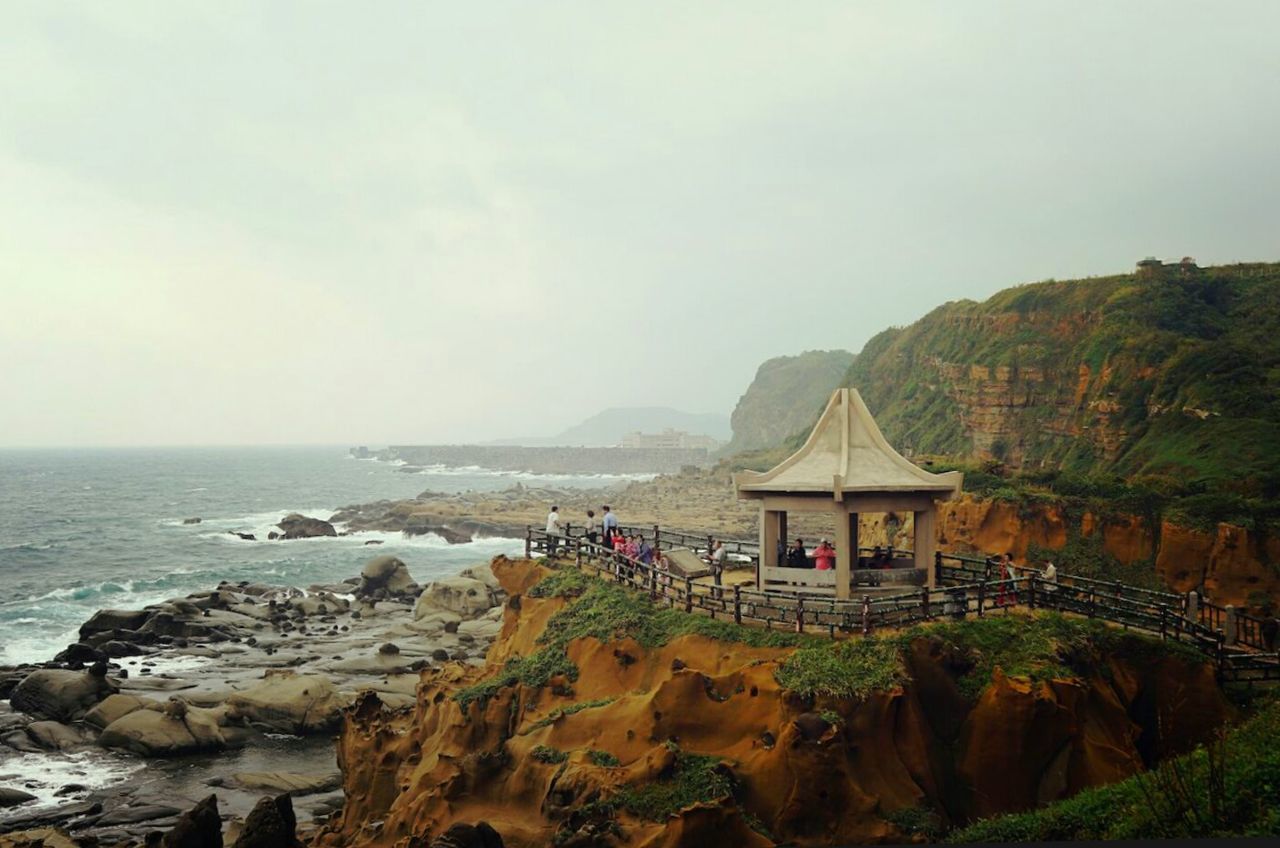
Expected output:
(553, 530)
(592, 527)
(1050, 576)
(716, 558)
(796, 556)
(824, 556)
(610, 526)
(644, 553)
(1005, 573)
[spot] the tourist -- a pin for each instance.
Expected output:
(593, 527)
(662, 566)
(1050, 576)
(716, 558)
(796, 557)
(824, 556)
(553, 530)
(610, 524)
(630, 548)
(644, 553)
(782, 551)
(1002, 587)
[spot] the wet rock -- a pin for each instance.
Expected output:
(290, 783)
(248, 537)
(104, 620)
(387, 574)
(389, 648)
(298, 526)
(79, 654)
(62, 695)
(14, 797)
(199, 827)
(54, 816)
(270, 824)
(54, 736)
(136, 813)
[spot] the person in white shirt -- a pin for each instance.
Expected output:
(553, 529)
(1050, 575)
(716, 558)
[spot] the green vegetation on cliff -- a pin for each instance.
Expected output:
(1173, 374)
(784, 397)
(1227, 788)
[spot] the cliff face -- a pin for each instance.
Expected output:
(1228, 563)
(785, 397)
(1167, 374)
(692, 740)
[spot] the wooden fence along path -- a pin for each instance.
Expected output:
(1239, 644)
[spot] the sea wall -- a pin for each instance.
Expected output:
(548, 460)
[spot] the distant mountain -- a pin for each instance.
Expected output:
(608, 427)
(786, 395)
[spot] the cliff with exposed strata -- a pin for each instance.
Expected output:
(1159, 374)
(600, 721)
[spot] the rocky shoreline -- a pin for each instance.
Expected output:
(235, 691)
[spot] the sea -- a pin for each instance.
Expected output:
(82, 530)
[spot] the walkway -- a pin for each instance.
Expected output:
(1236, 642)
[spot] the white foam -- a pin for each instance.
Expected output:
(44, 774)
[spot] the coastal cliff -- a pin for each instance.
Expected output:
(601, 720)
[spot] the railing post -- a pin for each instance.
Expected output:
(653, 583)
(1164, 616)
(1092, 609)
(737, 603)
(1231, 625)
(1193, 607)
(937, 567)
(688, 593)
(866, 615)
(528, 541)
(657, 537)
(577, 552)
(800, 613)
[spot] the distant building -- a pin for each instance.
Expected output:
(1151, 267)
(669, 439)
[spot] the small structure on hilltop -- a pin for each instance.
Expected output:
(846, 467)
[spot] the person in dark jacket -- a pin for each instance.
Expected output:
(796, 557)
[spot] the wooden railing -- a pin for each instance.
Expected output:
(965, 586)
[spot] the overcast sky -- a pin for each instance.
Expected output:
(387, 223)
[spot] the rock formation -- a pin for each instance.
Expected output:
(685, 740)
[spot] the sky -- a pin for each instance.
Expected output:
(377, 223)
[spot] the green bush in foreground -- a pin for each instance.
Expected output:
(695, 779)
(1229, 788)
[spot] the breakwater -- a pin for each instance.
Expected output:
(543, 460)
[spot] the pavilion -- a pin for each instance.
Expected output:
(844, 468)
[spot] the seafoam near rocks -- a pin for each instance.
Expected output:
(231, 670)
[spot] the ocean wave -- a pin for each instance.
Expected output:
(45, 773)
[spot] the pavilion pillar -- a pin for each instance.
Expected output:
(924, 542)
(846, 549)
(771, 523)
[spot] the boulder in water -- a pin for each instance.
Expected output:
(111, 619)
(62, 695)
(298, 526)
(14, 797)
(387, 573)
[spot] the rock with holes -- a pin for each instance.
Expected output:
(464, 596)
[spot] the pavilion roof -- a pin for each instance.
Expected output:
(846, 453)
